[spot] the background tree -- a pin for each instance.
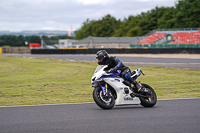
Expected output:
(168, 19)
(104, 27)
(188, 13)
(185, 14)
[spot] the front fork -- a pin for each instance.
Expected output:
(104, 89)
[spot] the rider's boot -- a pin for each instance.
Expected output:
(141, 89)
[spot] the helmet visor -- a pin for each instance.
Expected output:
(99, 58)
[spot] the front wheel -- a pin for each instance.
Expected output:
(151, 100)
(104, 102)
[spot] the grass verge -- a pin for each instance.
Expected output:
(31, 81)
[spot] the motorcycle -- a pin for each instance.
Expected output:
(111, 90)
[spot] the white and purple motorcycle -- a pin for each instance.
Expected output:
(111, 90)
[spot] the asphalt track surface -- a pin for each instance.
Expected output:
(168, 116)
(193, 63)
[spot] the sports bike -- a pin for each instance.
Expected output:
(111, 90)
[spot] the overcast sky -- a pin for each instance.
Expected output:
(18, 15)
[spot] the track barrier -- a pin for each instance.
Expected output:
(119, 51)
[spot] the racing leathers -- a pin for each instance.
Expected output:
(115, 64)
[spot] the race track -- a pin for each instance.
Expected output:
(176, 62)
(168, 116)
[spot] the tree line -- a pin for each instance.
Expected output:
(13, 40)
(184, 14)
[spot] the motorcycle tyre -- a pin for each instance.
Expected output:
(146, 103)
(100, 103)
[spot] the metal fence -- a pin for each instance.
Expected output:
(177, 29)
(20, 50)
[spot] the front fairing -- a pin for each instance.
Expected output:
(99, 71)
(100, 75)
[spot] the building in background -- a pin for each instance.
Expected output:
(66, 43)
(108, 42)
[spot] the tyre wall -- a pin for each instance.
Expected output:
(118, 51)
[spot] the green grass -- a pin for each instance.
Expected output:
(30, 81)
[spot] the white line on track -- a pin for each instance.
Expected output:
(159, 63)
(85, 103)
(43, 105)
(178, 99)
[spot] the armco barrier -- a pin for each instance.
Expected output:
(119, 51)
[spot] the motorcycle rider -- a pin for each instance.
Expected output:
(114, 64)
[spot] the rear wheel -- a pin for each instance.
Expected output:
(104, 102)
(149, 100)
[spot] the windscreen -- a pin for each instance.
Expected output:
(98, 68)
